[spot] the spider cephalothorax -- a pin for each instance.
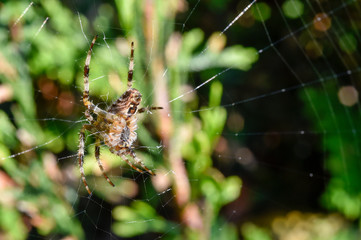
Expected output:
(116, 126)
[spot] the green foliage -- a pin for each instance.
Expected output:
(139, 218)
(53, 56)
(41, 72)
(236, 57)
(9, 216)
(343, 193)
(252, 232)
(27, 56)
(220, 193)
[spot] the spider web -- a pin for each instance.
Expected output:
(289, 142)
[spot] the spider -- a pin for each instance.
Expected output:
(116, 126)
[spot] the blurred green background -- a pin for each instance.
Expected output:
(268, 149)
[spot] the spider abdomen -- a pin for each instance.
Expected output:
(121, 134)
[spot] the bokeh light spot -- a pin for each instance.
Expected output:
(322, 22)
(293, 8)
(235, 122)
(348, 43)
(261, 11)
(348, 95)
(314, 49)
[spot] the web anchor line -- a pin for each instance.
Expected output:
(220, 34)
(201, 85)
(23, 13)
(232, 22)
(39, 146)
(41, 27)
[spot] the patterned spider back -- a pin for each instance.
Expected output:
(127, 104)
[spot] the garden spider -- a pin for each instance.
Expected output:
(116, 126)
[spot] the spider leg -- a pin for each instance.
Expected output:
(138, 161)
(87, 103)
(88, 116)
(120, 154)
(97, 154)
(146, 109)
(131, 66)
(81, 155)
